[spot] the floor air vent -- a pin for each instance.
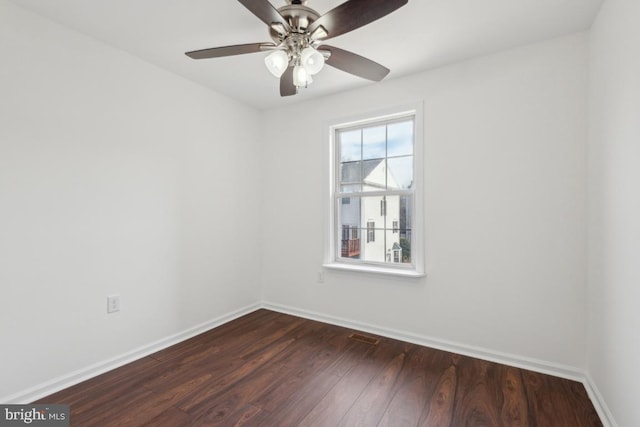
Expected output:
(364, 338)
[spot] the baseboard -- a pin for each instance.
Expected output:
(68, 380)
(531, 364)
(541, 366)
(598, 402)
(41, 390)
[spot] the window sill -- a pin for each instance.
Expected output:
(374, 270)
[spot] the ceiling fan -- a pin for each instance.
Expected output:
(298, 33)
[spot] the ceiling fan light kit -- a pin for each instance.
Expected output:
(276, 62)
(312, 60)
(301, 78)
(298, 33)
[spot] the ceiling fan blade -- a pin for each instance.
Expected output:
(355, 64)
(217, 52)
(265, 11)
(287, 88)
(350, 15)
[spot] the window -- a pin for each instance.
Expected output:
(371, 231)
(375, 187)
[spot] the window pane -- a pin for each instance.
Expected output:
(398, 230)
(373, 244)
(405, 212)
(371, 211)
(400, 173)
(380, 245)
(405, 245)
(350, 145)
(349, 231)
(350, 172)
(374, 233)
(392, 208)
(374, 142)
(349, 211)
(400, 139)
(406, 224)
(374, 175)
(350, 188)
(393, 248)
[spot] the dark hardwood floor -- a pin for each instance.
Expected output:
(272, 369)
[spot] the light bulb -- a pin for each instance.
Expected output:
(277, 62)
(300, 76)
(312, 60)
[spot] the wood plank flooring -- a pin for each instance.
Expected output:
(272, 369)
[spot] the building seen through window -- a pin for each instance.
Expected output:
(374, 191)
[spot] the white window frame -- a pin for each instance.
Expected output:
(332, 255)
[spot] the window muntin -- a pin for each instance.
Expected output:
(375, 171)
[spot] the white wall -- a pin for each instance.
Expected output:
(505, 190)
(614, 209)
(115, 177)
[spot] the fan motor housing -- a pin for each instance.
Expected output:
(299, 18)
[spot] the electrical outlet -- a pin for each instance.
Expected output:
(320, 278)
(113, 303)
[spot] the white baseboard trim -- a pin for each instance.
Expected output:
(598, 402)
(522, 362)
(563, 371)
(41, 390)
(541, 366)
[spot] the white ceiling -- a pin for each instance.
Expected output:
(421, 35)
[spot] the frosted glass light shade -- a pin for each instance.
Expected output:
(312, 60)
(276, 62)
(300, 76)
